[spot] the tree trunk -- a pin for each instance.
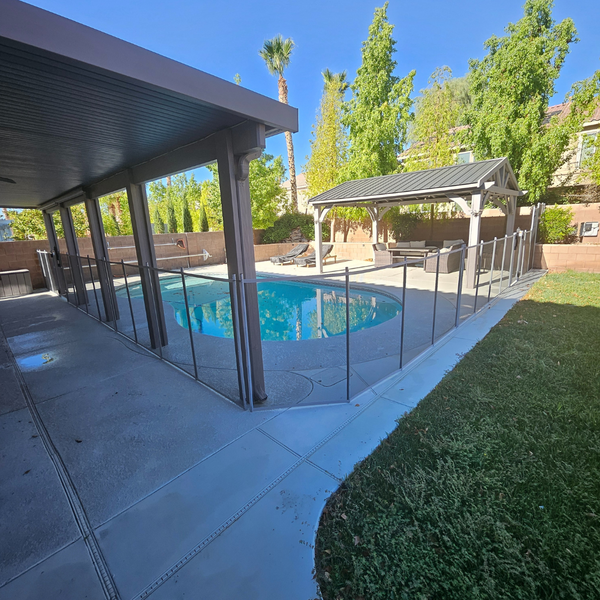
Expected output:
(332, 231)
(283, 97)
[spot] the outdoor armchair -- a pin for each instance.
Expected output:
(449, 260)
(290, 256)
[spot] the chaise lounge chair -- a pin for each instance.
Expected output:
(311, 259)
(290, 256)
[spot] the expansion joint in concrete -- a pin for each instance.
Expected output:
(79, 514)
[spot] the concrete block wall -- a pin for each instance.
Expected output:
(563, 257)
(23, 255)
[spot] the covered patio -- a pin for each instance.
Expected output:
(84, 114)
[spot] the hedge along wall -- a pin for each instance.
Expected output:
(493, 225)
(564, 257)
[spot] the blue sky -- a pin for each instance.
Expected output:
(223, 38)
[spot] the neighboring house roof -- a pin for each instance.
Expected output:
(562, 110)
(300, 182)
(425, 185)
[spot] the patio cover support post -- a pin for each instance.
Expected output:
(103, 269)
(73, 250)
(55, 250)
(474, 235)
(235, 148)
(144, 249)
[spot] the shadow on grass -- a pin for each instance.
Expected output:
(490, 488)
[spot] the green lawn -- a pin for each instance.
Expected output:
(490, 488)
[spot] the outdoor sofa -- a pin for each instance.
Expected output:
(311, 259)
(417, 249)
(282, 259)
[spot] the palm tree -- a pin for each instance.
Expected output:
(335, 79)
(276, 53)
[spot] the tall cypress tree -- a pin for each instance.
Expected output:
(203, 219)
(159, 224)
(378, 113)
(171, 219)
(187, 216)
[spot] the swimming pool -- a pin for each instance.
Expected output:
(289, 310)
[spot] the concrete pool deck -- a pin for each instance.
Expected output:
(181, 493)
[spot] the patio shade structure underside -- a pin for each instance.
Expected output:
(470, 186)
(84, 114)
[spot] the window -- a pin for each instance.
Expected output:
(464, 157)
(588, 147)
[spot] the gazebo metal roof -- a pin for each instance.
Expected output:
(494, 177)
(78, 106)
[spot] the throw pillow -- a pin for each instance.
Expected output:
(403, 244)
(420, 244)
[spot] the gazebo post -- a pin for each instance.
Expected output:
(474, 235)
(511, 213)
(318, 239)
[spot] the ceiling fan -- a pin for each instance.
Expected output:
(7, 180)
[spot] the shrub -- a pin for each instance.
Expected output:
(403, 224)
(283, 227)
(555, 226)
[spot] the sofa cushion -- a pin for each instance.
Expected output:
(448, 243)
(403, 244)
(420, 244)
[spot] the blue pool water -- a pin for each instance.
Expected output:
(289, 310)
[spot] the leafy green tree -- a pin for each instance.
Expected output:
(171, 219)
(203, 219)
(510, 90)
(28, 224)
(585, 100)
(277, 53)
(159, 224)
(267, 195)
(434, 135)
(329, 143)
(187, 216)
(378, 113)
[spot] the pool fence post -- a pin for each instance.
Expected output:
(402, 314)
(492, 268)
(246, 343)
(129, 300)
(479, 259)
(461, 270)
(435, 294)
(237, 327)
(94, 286)
(512, 254)
(189, 323)
(347, 334)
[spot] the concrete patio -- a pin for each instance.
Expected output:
(122, 478)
